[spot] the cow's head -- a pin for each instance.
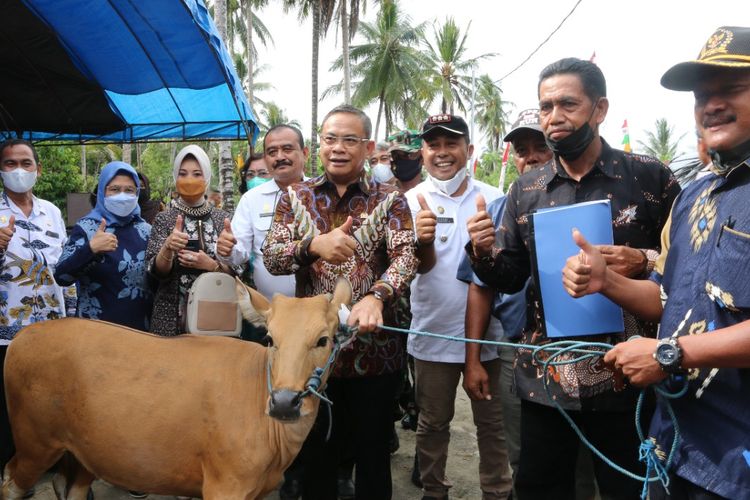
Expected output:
(300, 339)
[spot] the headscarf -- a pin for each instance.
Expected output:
(149, 207)
(109, 172)
(199, 155)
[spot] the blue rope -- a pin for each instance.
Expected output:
(656, 470)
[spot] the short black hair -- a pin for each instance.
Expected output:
(9, 143)
(243, 171)
(592, 78)
(347, 108)
(290, 127)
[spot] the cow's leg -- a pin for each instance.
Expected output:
(26, 467)
(73, 480)
(228, 487)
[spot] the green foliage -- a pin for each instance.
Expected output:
(659, 144)
(490, 166)
(60, 174)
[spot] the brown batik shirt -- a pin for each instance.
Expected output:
(384, 260)
(641, 191)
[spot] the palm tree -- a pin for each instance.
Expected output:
(321, 13)
(247, 25)
(274, 115)
(492, 116)
(451, 68)
(226, 164)
(659, 143)
(387, 67)
(258, 86)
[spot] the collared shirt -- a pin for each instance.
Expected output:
(704, 271)
(28, 291)
(641, 191)
(251, 221)
(510, 309)
(384, 261)
(438, 301)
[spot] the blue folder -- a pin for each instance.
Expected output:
(565, 316)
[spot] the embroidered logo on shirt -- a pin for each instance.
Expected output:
(626, 215)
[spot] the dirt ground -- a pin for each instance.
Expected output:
(463, 463)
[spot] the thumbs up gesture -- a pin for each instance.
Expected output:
(177, 239)
(226, 241)
(425, 223)
(336, 246)
(102, 241)
(481, 229)
(586, 272)
(6, 233)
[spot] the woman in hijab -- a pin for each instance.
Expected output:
(106, 253)
(183, 241)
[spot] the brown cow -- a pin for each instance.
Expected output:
(185, 415)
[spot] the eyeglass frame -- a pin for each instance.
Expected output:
(353, 140)
(121, 189)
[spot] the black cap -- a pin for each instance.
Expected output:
(450, 123)
(528, 119)
(728, 47)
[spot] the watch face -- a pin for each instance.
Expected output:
(666, 354)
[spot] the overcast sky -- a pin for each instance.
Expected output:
(635, 43)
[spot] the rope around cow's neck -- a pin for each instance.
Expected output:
(656, 470)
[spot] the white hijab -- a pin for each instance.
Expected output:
(199, 155)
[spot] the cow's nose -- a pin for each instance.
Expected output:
(284, 404)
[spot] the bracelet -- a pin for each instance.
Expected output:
(165, 258)
(217, 269)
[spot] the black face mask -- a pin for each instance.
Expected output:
(406, 169)
(725, 161)
(572, 146)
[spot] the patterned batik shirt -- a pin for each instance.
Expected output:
(704, 273)
(28, 291)
(384, 259)
(641, 191)
(112, 286)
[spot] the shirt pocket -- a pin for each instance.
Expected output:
(727, 279)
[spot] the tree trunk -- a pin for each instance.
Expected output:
(345, 45)
(380, 113)
(127, 153)
(83, 162)
(226, 166)
(314, 73)
(138, 156)
(249, 43)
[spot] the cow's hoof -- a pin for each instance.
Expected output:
(137, 494)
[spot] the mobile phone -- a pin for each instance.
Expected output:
(193, 245)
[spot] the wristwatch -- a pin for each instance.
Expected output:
(669, 355)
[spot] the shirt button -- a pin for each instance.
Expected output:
(443, 238)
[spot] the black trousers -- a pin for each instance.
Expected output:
(680, 489)
(549, 449)
(363, 416)
(7, 449)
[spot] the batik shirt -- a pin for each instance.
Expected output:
(111, 285)
(28, 292)
(641, 191)
(384, 260)
(704, 273)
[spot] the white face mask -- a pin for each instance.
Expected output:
(451, 185)
(19, 180)
(121, 204)
(381, 172)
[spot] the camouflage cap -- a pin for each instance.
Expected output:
(406, 140)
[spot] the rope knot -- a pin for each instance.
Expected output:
(654, 466)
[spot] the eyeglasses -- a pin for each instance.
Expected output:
(121, 189)
(349, 141)
(260, 173)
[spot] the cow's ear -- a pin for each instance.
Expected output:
(254, 306)
(342, 294)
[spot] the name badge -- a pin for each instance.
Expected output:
(267, 214)
(445, 220)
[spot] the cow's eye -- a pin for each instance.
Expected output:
(322, 342)
(267, 341)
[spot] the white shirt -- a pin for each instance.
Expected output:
(438, 299)
(28, 292)
(250, 224)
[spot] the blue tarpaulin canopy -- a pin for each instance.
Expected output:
(117, 70)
